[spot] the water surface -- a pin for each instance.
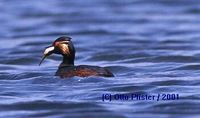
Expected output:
(152, 47)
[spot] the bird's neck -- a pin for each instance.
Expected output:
(67, 61)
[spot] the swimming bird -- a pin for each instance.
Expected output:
(64, 46)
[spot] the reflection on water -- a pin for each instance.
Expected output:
(151, 46)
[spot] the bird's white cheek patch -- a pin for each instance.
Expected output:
(48, 50)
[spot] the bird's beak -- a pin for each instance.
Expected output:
(42, 59)
(48, 51)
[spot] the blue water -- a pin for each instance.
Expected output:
(152, 47)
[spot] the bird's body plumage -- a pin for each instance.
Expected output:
(83, 71)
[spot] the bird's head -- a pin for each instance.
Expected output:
(62, 46)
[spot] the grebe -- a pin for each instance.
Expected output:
(65, 47)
